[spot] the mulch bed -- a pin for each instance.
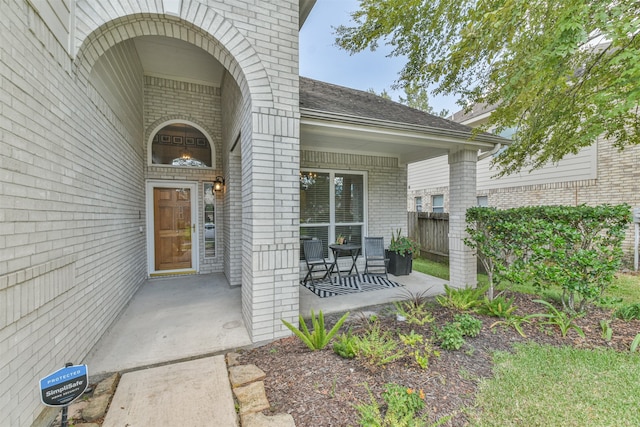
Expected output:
(319, 388)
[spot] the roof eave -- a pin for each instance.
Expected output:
(483, 140)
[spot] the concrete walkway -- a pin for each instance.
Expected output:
(172, 319)
(194, 393)
(170, 342)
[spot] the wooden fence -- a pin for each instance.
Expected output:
(431, 230)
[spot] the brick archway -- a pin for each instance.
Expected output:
(207, 38)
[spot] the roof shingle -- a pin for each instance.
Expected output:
(330, 98)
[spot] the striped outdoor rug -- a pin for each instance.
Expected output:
(349, 285)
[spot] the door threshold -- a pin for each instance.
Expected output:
(173, 273)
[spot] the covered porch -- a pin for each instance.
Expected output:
(187, 317)
(346, 132)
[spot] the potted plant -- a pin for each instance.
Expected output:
(400, 254)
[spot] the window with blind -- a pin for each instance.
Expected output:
(332, 204)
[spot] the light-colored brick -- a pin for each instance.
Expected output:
(73, 135)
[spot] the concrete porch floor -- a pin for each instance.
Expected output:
(180, 318)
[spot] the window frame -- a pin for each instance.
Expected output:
(162, 125)
(437, 208)
(332, 224)
(418, 203)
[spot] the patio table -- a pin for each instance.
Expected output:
(350, 248)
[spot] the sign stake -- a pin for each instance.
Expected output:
(64, 386)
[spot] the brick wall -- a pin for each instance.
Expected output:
(232, 113)
(170, 101)
(72, 173)
(71, 204)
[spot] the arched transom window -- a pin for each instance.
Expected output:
(180, 144)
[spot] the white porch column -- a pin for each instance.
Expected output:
(462, 195)
(270, 222)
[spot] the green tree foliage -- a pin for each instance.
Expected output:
(384, 94)
(562, 72)
(416, 97)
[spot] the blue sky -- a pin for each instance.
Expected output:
(320, 59)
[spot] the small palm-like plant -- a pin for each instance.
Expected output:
(498, 307)
(559, 318)
(607, 331)
(515, 322)
(319, 337)
(464, 299)
(628, 312)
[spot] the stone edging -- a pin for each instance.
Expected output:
(91, 410)
(251, 398)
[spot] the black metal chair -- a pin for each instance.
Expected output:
(374, 256)
(316, 262)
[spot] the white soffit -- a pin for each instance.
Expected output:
(172, 7)
(406, 145)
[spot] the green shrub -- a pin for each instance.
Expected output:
(412, 339)
(377, 347)
(462, 299)
(403, 407)
(319, 338)
(578, 248)
(414, 312)
(469, 325)
(450, 336)
(498, 307)
(423, 355)
(346, 345)
(403, 245)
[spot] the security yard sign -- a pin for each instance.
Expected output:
(64, 385)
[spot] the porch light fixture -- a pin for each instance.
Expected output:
(218, 184)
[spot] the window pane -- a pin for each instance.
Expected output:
(320, 233)
(209, 221)
(437, 202)
(349, 198)
(179, 144)
(314, 197)
(353, 233)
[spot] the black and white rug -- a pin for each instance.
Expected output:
(349, 285)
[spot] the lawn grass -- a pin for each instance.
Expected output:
(431, 268)
(625, 288)
(549, 386)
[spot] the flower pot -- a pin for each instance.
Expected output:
(399, 265)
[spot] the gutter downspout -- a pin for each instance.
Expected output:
(493, 151)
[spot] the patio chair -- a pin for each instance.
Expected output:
(375, 257)
(316, 262)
